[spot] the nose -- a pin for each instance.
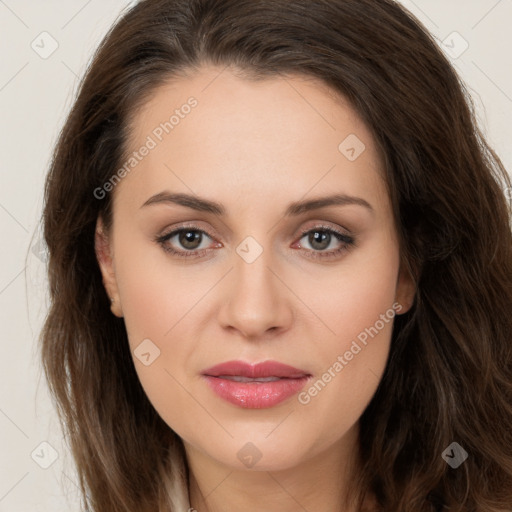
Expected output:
(257, 301)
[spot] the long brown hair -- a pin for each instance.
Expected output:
(449, 373)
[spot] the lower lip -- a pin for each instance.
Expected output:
(256, 395)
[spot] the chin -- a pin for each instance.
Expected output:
(260, 453)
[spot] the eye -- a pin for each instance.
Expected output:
(189, 238)
(322, 237)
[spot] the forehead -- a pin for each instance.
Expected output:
(280, 135)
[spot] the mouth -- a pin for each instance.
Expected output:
(258, 386)
(238, 378)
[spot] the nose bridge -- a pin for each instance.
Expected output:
(252, 265)
(257, 300)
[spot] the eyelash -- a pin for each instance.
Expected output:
(348, 242)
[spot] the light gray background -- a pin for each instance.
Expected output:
(35, 95)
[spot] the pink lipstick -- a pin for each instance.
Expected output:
(255, 386)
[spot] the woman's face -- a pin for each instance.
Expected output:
(246, 284)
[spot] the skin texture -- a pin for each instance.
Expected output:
(255, 147)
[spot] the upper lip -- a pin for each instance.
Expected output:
(263, 369)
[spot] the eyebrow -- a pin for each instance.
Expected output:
(293, 209)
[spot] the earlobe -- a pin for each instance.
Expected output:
(104, 256)
(405, 289)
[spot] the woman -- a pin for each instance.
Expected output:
(280, 265)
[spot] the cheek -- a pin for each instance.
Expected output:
(161, 301)
(155, 292)
(155, 303)
(350, 298)
(357, 306)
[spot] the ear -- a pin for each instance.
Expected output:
(104, 255)
(405, 289)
